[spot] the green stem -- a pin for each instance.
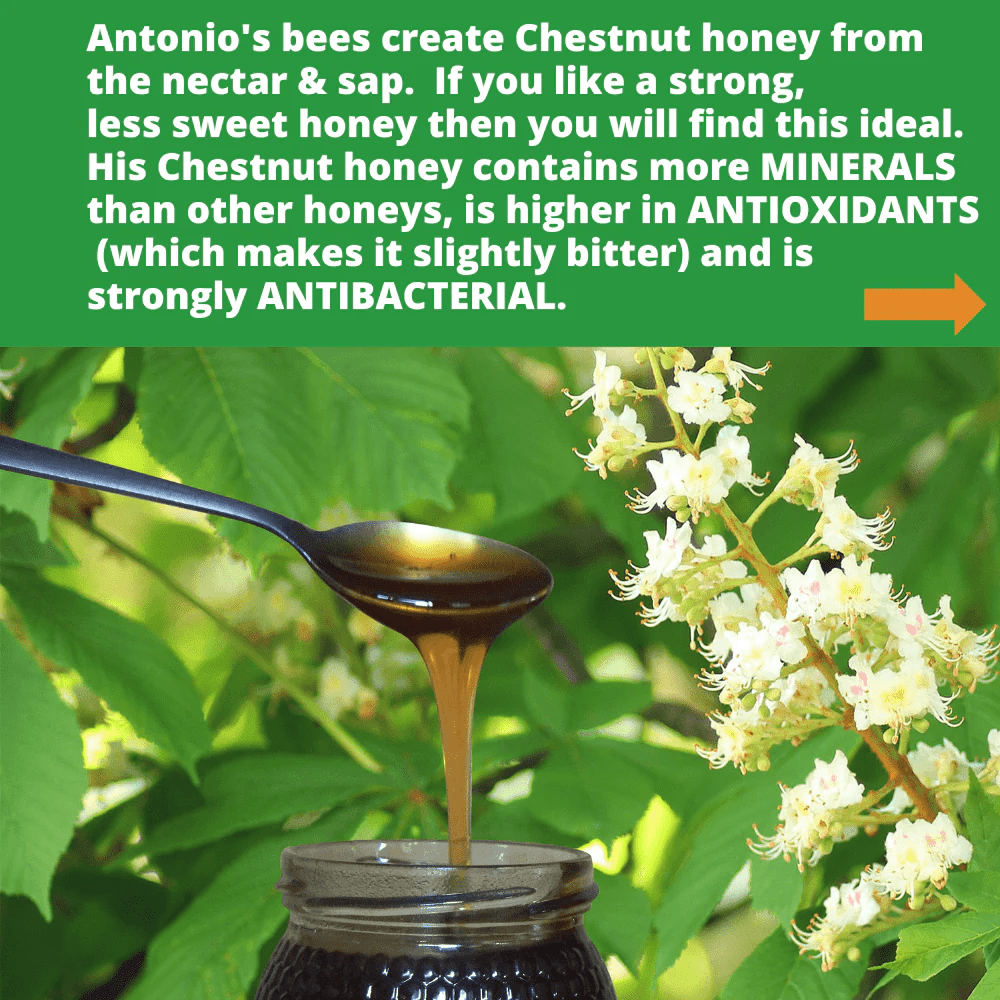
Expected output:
(806, 552)
(653, 446)
(302, 697)
(876, 819)
(696, 447)
(679, 430)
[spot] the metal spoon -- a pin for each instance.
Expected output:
(411, 577)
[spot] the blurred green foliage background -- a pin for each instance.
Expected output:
(176, 689)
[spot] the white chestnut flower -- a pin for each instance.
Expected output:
(698, 398)
(917, 853)
(606, 378)
(844, 531)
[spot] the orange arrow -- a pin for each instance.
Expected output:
(959, 304)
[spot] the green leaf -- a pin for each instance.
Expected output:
(924, 950)
(714, 845)
(979, 890)
(513, 821)
(33, 358)
(44, 408)
(797, 377)
(20, 546)
(229, 699)
(210, 951)
(776, 886)
(392, 421)
(489, 755)
(983, 821)
(887, 977)
(245, 422)
(519, 446)
(256, 790)
(120, 660)
(982, 713)
(546, 701)
(775, 970)
(991, 953)
(910, 385)
(109, 915)
(42, 778)
(620, 919)
(989, 985)
(958, 486)
(596, 703)
(683, 780)
(30, 950)
(587, 789)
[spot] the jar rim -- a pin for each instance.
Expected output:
(433, 854)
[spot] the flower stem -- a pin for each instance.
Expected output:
(305, 701)
(681, 434)
(806, 552)
(896, 765)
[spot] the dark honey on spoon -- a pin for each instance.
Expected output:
(450, 594)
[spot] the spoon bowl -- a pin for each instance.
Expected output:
(406, 576)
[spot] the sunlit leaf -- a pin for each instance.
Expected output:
(44, 410)
(256, 790)
(244, 422)
(125, 663)
(982, 818)
(924, 950)
(392, 423)
(20, 546)
(519, 448)
(620, 918)
(42, 778)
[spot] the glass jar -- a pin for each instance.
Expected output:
(391, 920)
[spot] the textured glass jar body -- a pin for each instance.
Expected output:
(390, 920)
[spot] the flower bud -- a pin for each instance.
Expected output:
(742, 409)
(763, 764)
(678, 358)
(854, 954)
(641, 356)
(921, 725)
(748, 701)
(617, 462)
(948, 902)
(773, 694)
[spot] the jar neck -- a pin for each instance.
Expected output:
(395, 897)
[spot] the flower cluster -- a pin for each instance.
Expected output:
(818, 639)
(918, 855)
(809, 823)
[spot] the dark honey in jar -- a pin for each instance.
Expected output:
(392, 920)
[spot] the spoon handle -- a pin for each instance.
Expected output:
(48, 463)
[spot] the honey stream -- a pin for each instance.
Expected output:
(451, 595)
